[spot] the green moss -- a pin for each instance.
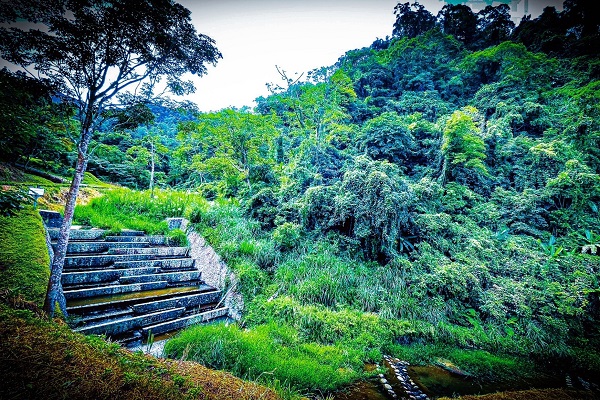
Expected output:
(24, 260)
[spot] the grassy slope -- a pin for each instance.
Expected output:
(44, 359)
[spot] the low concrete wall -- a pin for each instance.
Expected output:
(214, 271)
(52, 219)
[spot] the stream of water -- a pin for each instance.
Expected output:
(434, 382)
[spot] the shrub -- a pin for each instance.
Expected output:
(12, 201)
(286, 235)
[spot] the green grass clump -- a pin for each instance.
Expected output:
(128, 209)
(24, 259)
(268, 352)
(91, 180)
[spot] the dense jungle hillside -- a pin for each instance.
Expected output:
(434, 196)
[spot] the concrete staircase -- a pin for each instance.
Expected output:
(129, 285)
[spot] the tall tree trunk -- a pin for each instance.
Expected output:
(54, 292)
(152, 169)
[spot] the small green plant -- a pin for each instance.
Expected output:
(590, 242)
(287, 235)
(550, 248)
(149, 341)
(177, 237)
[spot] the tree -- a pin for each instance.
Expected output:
(30, 123)
(494, 25)
(387, 137)
(97, 51)
(459, 21)
(227, 146)
(372, 206)
(412, 20)
(462, 146)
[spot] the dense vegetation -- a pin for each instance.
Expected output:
(433, 195)
(45, 359)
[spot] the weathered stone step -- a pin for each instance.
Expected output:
(98, 247)
(81, 261)
(120, 326)
(125, 300)
(152, 239)
(192, 300)
(107, 316)
(171, 277)
(79, 234)
(159, 251)
(90, 277)
(113, 289)
(163, 263)
(183, 322)
(131, 232)
(104, 275)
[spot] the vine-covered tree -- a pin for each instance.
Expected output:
(96, 51)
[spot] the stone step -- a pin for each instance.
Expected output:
(101, 305)
(101, 260)
(113, 289)
(152, 239)
(183, 322)
(189, 301)
(104, 275)
(79, 234)
(90, 277)
(159, 251)
(171, 277)
(131, 232)
(120, 326)
(98, 247)
(164, 263)
(107, 316)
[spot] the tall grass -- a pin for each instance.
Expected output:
(128, 209)
(269, 352)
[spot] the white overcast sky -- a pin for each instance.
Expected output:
(296, 35)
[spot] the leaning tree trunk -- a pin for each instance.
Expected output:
(54, 292)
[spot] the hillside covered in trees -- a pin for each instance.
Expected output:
(433, 195)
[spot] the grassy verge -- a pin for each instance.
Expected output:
(24, 257)
(272, 353)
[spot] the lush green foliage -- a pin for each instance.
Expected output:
(433, 195)
(451, 196)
